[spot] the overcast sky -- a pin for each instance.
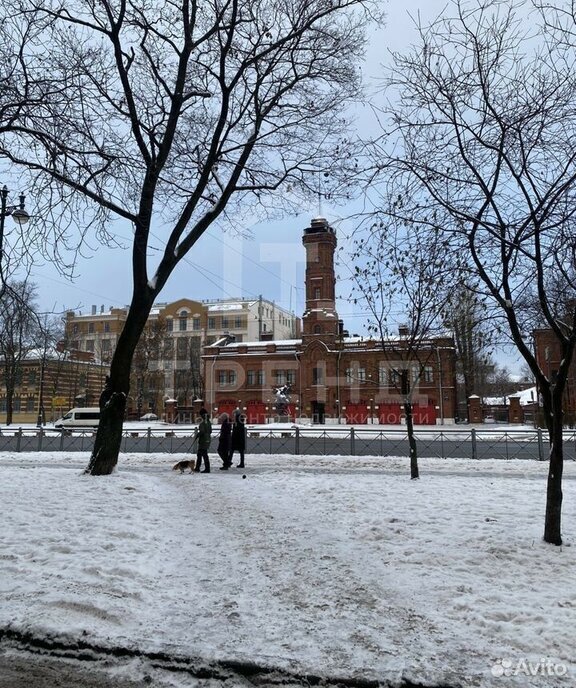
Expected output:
(231, 266)
(222, 265)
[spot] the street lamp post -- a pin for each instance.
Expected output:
(18, 213)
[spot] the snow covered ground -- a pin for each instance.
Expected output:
(335, 566)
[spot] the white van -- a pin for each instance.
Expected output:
(79, 418)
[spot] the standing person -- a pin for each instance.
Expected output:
(204, 434)
(224, 441)
(238, 437)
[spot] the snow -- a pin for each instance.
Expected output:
(526, 396)
(339, 566)
(226, 307)
(262, 344)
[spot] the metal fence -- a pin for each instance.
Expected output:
(314, 440)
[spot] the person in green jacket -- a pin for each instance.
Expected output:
(203, 436)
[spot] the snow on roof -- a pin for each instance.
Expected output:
(527, 396)
(264, 343)
(225, 307)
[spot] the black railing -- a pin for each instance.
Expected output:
(314, 440)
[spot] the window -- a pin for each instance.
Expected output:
(251, 377)
(32, 377)
(106, 345)
(16, 405)
(317, 292)
(226, 377)
(225, 323)
(383, 375)
(106, 327)
(237, 323)
(317, 376)
(82, 380)
(261, 377)
(428, 374)
(75, 329)
(211, 323)
(169, 325)
(30, 405)
(349, 375)
(362, 374)
(291, 377)
(280, 377)
(182, 348)
(317, 329)
(89, 345)
(90, 328)
(415, 374)
(183, 322)
(168, 348)
(196, 324)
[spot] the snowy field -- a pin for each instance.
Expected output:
(334, 566)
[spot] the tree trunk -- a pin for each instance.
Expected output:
(553, 519)
(414, 472)
(9, 405)
(108, 437)
(113, 401)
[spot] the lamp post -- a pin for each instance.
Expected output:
(18, 213)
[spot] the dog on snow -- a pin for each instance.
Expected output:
(183, 465)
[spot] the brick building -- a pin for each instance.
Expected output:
(168, 362)
(50, 385)
(548, 356)
(332, 377)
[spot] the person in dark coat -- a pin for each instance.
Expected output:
(204, 437)
(225, 441)
(238, 438)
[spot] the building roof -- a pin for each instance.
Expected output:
(527, 396)
(225, 307)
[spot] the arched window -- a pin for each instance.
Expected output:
(317, 329)
(183, 322)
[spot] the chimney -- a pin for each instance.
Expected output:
(102, 308)
(403, 330)
(93, 310)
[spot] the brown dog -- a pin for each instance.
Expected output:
(183, 465)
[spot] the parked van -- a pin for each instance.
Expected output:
(79, 418)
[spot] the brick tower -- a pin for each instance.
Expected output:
(320, 319)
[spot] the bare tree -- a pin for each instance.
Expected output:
(485, 142)
(173, 116)
(50, 332)
(19, 335)
(147, 375)
(400, 281)
(466, 315)
(188, 383)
